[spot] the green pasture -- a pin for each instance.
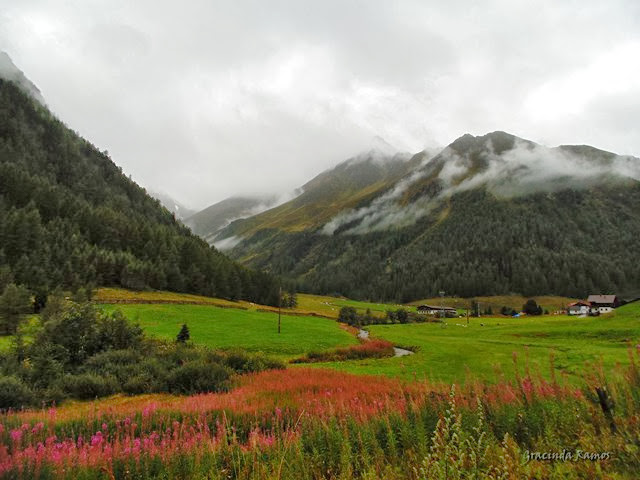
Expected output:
(330, 306)
(228, 328)
(485, 348)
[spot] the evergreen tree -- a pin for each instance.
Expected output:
(183, 334)
(532, 308)
(15, 303)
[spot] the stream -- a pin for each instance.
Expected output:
(398, 352)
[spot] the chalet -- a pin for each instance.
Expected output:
(603, 303)
(579, 308)
(431, 310)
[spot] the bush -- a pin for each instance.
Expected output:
(142, 383)
(242, 362)
(86, 386)
(115, 357)
(198, 377)
(53, 395)
(14, 393)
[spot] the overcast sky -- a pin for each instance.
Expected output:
(207, 99)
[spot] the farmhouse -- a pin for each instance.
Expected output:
(603, 303)
(579, 308)
(431, 310)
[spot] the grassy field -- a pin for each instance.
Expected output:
(248, 329)
(330, 306)
(323, 305)
(486, 351)
(307, 304)
(550, 303)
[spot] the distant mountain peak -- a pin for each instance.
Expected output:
(9, 71)
(498, 141)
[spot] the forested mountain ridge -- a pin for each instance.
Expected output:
(487, 215)
(69, 217)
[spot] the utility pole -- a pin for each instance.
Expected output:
(279, 305)
(442, 304)
(467, 316)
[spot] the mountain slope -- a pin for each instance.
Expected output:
(179, 210)
(348, 185)
(10, 72)
(487, 215)
(69, 217)
(208, 222)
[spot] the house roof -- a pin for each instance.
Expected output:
(431, 307)
(601, 298)
(579, 303)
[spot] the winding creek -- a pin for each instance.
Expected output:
(398, 352)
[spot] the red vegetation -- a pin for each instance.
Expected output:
(367, 349)
(269, 407)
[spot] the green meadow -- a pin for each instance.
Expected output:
(485, 348)
(330, 306)
(482, 349)
(229, 327)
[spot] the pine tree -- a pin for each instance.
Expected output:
(15, 303)
(183, 334)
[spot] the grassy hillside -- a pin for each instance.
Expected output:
(312, 305)
(323, 305)
(550, 303)
(233, 328)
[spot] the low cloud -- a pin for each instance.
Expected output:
(525, 169)
(227, 243)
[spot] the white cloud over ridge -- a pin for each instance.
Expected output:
(524, 169)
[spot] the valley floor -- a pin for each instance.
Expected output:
(460, 403)
(484, 348)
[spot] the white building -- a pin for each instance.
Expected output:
(603, 303)
(579, 308)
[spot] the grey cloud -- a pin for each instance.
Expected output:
(210, 99)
